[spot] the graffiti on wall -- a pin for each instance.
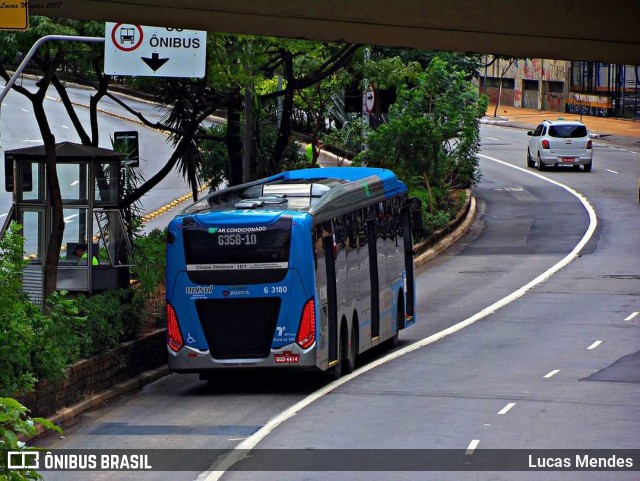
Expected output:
(532, 69)
(586, 104)
(555, 70)
(553, 102)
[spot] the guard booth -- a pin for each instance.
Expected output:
(90, 185)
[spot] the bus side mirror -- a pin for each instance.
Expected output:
(415, 210)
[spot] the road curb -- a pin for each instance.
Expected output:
(457, 228)
(66, 416)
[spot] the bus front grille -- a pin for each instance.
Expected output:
(239, 328)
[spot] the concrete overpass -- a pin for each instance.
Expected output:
(554, 29)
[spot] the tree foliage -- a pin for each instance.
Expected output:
(33, 346)
(432, 135)
(15, 421)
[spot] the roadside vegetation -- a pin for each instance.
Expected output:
(424, 127)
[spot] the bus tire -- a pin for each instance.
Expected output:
(393, 341)
(335, 371)
(349, 359)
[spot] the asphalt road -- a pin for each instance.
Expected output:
(553, 366)
(18, 129)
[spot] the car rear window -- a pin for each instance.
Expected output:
(568, 131)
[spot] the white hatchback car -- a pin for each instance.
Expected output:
(560, 142)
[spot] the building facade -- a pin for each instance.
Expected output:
(587, 88)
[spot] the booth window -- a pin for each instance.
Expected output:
(31, 231)
(32, 185)
(73, 182)
(112, 239)
(106, 188)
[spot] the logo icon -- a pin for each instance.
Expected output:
(199, 290)
(23, 460)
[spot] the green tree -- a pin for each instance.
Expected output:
(49, 59)
(432, 134)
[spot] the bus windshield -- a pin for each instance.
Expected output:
(239, 254)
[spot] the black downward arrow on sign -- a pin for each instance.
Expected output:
(155, 62)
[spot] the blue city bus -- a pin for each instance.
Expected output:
(305, 269)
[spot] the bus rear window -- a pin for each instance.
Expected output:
(237, 254)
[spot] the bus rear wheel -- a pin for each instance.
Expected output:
(393, 341)
(335, 371)
(349, 358)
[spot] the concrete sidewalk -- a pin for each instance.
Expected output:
(604, 128)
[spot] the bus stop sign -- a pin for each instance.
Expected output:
(143, 51)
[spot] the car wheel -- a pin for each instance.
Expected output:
(587, 167)
(530, 161)
(541, 166)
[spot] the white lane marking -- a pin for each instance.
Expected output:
(242, 448)
(552, 373)
(472, 446)
(631, 316)
(64, 126)
(594, 345)
(24, 110)
(49, 97)
(507, 408)
(3, 215)
(491, 138)
(612, 171)
(75, 182)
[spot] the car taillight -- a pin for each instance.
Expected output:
(545, 144)
(307, 330)
(174, 337)
(589, 146)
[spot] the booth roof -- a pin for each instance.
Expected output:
(67, 150)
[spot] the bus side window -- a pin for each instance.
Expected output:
(361, 226)
(388, 219)
(397, 218)
(338, 231)
(316, 242)
(352, 229)
(380, 214)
